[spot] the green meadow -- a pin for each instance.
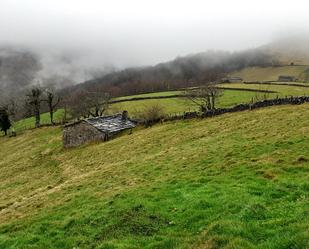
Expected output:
(233, 181)
(272, 73)
(178, 105)
(281, 90)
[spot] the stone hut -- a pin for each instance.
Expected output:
(96, 129)
(287, 78)
(232, 79)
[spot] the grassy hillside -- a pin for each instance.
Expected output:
(155, 94)
(233, 181)
(280, 89)
(272, 73)
(180, 105)
(170, 106)
(28, 123)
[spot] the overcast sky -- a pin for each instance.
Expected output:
(144, 32)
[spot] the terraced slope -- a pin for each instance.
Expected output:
(233, 181)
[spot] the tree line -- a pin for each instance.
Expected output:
(92, 98)
(37, 99)
(183, 72)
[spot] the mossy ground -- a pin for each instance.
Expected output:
(234, 181)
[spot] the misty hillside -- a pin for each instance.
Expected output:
(20, 68)
(181, 72)
(154, 124)
(208, 66)
(260, 74)
(293, 49)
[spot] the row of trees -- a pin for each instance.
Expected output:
(34, 99)
(16, 108)
(183, 72)
(79, 104)
(84, 104)
(93, 97)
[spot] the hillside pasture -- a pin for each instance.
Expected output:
(173, 106)
(234, 181)
(29, 123)
(181, 105)
(281, 90)
(154, 94)
(170, 105)
(272, 73)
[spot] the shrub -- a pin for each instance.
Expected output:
(151, 113)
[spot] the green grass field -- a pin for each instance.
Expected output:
(229, 98)
(234, 181)
(29, 123)
(170, 106)
(282, 90)
(180, 105)
(155, 94)
(272, 73)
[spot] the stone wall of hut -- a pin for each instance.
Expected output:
(81, 133)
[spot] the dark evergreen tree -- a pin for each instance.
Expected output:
(5, 122)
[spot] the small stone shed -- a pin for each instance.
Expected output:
(287, 78)
(96, 129)
(232, 79)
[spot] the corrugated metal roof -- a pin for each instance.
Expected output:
(111, 124)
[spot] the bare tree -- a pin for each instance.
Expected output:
(33, 100)
(76, 105)
(11, 106)
(204, 97)
(52, 101)
(85, 103)
(97, 103)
